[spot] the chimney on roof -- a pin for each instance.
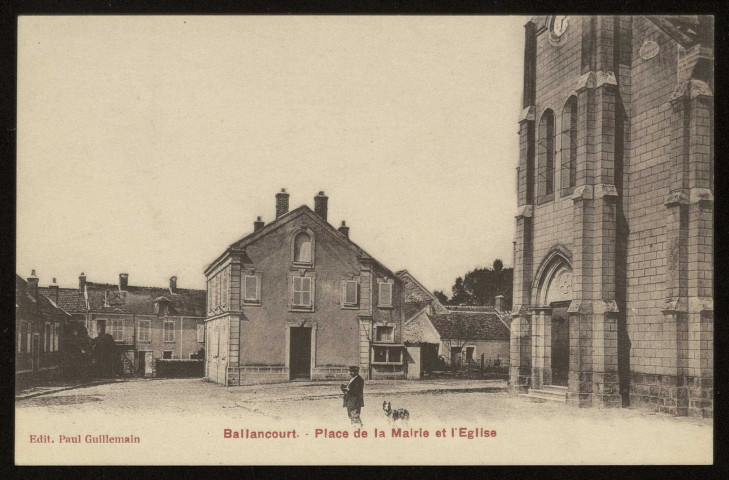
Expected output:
(320, 205)
(123, 281)
(173, 284)
(282, 203)
(258, 224)
(82, 281)
(344, 229)
(33, 285)
(53, 291)
(499, 303)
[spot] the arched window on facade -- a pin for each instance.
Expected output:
(302, 248)
(545, 157)
(569, 147)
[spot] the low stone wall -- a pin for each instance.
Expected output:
(253, 375)
(330, 373)
(179, 368)
(382, 372)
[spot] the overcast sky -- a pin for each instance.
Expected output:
(147, 145)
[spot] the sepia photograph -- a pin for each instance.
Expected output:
(364, 240)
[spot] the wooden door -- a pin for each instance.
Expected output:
(560, 344)
(300, 353)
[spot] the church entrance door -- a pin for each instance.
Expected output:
(560, 343)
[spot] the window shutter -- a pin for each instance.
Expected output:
(343, 292)
(251, 288)
(385, 299)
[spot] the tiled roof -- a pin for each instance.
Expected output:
(471, 308)
(69, 299)
(24, 302)
(141, 300)
(470, 325)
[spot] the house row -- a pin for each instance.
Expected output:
(39, 322)
(298, 299)
(147, 323)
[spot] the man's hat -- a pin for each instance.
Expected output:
(354, 369)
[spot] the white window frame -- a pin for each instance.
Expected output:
(390, 285)
(301, 305)
(388, 349)
(114, 324)
(166, 338)
(392, 334)
(201, 329)
(147, 329)
(350, 303)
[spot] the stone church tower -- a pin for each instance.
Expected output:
(613, 253)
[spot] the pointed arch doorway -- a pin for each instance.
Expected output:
(551, 333)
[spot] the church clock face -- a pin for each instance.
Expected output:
(558, 25)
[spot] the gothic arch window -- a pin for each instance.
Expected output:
(545, 157)
(302, 248)
(569, 147)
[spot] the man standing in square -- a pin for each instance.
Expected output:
(354, 396)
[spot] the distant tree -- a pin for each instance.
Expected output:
(481, 285)
(106, 356)
(76, 351)
(442, 297)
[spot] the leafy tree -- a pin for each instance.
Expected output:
(106, 356)
(480, 286)
(442, 297)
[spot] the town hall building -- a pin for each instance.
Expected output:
(613, 262)
(296, 299)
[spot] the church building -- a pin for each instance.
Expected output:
(613, 252)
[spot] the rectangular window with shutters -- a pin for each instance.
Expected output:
(251, 289)
(145, 331)
(302, 297)
(385, 295)
(169, 335)
(350, 293)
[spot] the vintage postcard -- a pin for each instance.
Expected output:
(275, 240)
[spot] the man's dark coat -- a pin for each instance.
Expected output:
(354, 396)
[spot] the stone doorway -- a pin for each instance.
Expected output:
(560, 343)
